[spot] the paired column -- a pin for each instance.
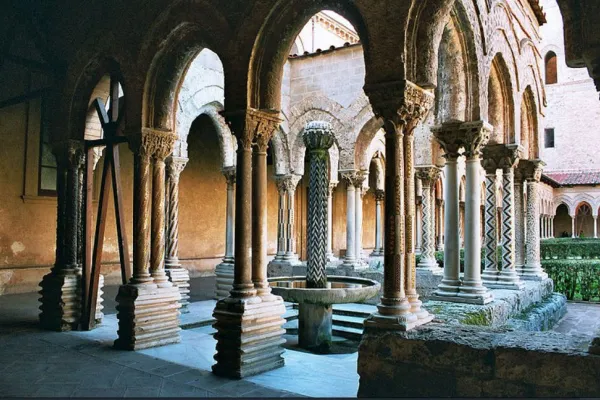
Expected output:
(519, 220)
(286, 256)
(350, 259)
(175, 272)
(360, 191)
(440, 226)
(148, 304)
(476, 135)
(330, 257)
(401, 105)
(60, 298)
(224, 270)
(378, 250)
(491, 268)
(532, 172)
(428, 175)
(247, 345)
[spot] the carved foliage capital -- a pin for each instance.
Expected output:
(471, 136)
(379, 195)
(531, 170)
(399, 103)
(175, 166)
(476, 135)
(287, 183)
(230, 174)
(428, 174)
(69, 153)
(500, 156)
(152, 142)
(252, 126)
(318, 136)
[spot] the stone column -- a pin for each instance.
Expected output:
(519, 221)
(247, 345)
(461, 224)
(449, 137)
(281, 218)
(401, 105)
(60, 296)
(532, 171)
(148, 305)
(224, 270)
(428, 175)
(175, 272)
(573, 232)
(315, 320)
(350, 260)
(542, 226)
(330, 257)
(360, 191)
(552, 234)
(440, 226)
(595, 226)
(476, 135)
(378, 250)
(290, 253)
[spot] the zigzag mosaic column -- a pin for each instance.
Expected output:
(224, 270)
(427, 176)
(490, 273)
(249, 322)
(175, 272)
(519, 221)
(509, 278)
(401, 105)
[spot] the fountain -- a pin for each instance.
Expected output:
(316, 293)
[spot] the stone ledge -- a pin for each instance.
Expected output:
(458, 361)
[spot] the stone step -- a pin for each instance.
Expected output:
(354, 309)
(343, 326)
(347, 332)
(349, 321)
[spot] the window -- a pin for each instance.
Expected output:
(47, 170)
(550, 62)
(549, 138)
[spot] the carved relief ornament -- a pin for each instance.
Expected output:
(252, 126)
(153, 142)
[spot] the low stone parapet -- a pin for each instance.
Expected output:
(438, 360)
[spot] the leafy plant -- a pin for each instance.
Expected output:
(576, 279)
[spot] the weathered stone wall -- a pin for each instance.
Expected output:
(436, 360)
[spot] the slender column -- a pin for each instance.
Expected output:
(532, 171)
(224, 270)
(573, 233)
(419, 224)
(176, 274)
(543, 227)
(490, 273)
(552, 234)
(358, 222)
(519, 221)
(449, 137)
(290, 187)
(350, 257)
(142, 208)
(476, 135)
(461, 224)
(595, 226)
(427, 175)
(157, 252)
(281, 218)
(330, 256)
(259, 213)
(401, 105)
(509, 275)
(379, 197)
(440, 226)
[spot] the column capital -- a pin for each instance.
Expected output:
(449, 136)
(353, 177)
(175, 166)
(476, 135)
(531, 170)
(152, 142)
(287, 183)
(400, 103)
(379, 195)
(253, 126)
(70, 153)
(500, 156)
(428, 174)
(318, 136)
(229, 173)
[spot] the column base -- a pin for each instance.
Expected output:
(180, 277)
(224, 273)
(376, 262)
(376, 253)
(249, 336)
(282, 267)
(148, 316)
(315, 326)
(396, 322)
(532, 273)
(428, 263)
(61, 300)
(447, 289)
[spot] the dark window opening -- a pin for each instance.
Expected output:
(551, 73)
(47, 165)
(549, 138)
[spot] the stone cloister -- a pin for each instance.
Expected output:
(433, 113)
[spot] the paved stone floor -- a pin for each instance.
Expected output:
(77, 364)
(581, 318)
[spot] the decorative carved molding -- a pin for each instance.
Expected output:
(428, 174)
(531, 170)
(500, 156)
(152, 142)
(230, 174)
(252, 126)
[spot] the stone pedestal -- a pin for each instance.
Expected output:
(61, 300)
(180, 277)
(224, 273)
(248, 336)
(314, 326)
(148, 316)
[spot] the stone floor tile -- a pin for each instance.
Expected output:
(174, 389)
(263, 392)
(142, 392)
(99, 392)
(186, 376)
(238, 388)
(210, 381)
(55, 390)
(102, 378)
(168, 369)
(130, 378)
(147, 364)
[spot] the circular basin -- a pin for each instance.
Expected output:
(341, 289)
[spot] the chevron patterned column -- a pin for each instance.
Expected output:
(427, 175)
(490, 273)
(519, 221)
(508, 277)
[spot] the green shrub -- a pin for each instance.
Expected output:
(576, 279)
(570, 248)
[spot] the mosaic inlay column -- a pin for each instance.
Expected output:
(330, 257)
(247, 345)
(224, 270)
(401, 105)
(519, 221)
(175, 272)
(378, 250)
(428, 175)
(148, 306)
(532, 171)
(490, 272)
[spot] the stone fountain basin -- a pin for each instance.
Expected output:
(341, 289)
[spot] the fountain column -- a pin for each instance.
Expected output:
(379, 197)
(476, 135)
(175, 272)
(448, 136)
(532, 171)
(224, 270)
(247, 345)
(401, 105)
(315, 320)
(427, 175)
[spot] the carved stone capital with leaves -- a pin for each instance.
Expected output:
(175, 166)
(379, 195)
(531, 170)
(70, 153)
(428, 174)
(253, 127)
(500, 156)
(476, 134)
(287, 183)
(450, 138)
(230, 174)
(153, 142)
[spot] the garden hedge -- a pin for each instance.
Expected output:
(576, 279)
(570, 248)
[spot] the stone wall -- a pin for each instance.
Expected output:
(436, 360)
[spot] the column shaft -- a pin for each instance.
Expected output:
(359, 192)
(142, 209)
(533, 268)
(519, 224)
(230, 221)
(157, 253)
(490, 274)
(451, 282)
(259, 219)
(509, 275)
(350, 258)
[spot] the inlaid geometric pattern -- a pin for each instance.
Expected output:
(491, 241)
(508, 221)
